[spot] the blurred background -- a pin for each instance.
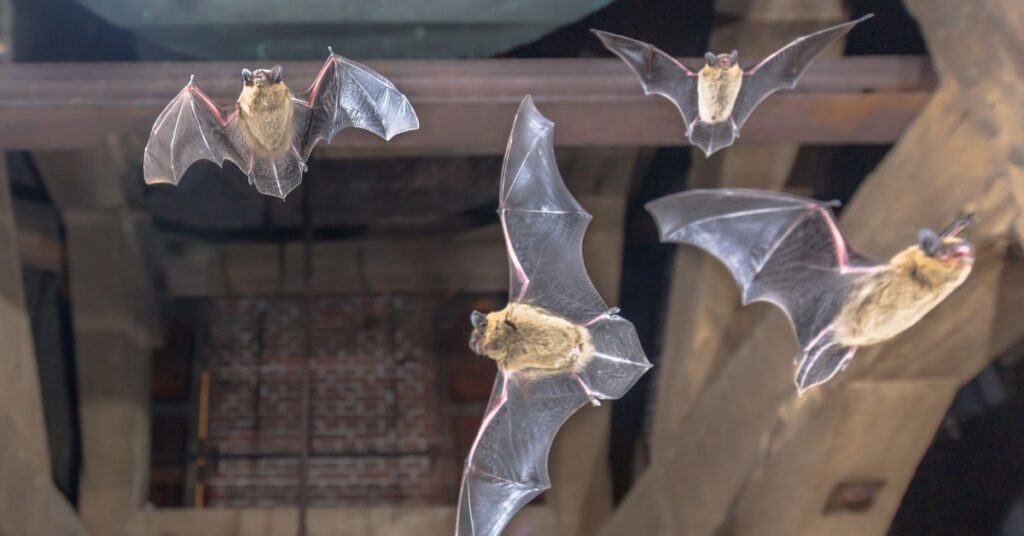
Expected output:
(204, 360)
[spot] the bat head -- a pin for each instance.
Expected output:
(722, 61)
(479, 321)
(948, 245)
(262, 77)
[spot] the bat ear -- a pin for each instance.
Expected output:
(246, 76)
(275, 73)
(477, 319)
(734, 56)
(710, 58)
(928, 241)
(958, 225)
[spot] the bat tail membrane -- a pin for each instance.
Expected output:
(711, 137)
(821, 360)
(276, 176)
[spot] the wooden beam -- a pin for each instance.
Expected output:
(469, 104)
(29, 502)
(581, 493)
(115, 327)
(732, 466)
(376, 521)
(703, 299)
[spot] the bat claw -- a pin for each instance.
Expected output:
(330, 50)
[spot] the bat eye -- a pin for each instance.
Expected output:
(247, 76)
(710, 58)
(928, 241)
(275, 74)
(477, 319)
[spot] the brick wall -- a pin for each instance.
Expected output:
(378, 435)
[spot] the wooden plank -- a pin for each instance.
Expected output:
(469, 104)
(703, 298)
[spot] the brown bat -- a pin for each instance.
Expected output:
(716, 100)
(787, 250)
(270, 132)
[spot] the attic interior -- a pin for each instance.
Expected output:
(202, 359)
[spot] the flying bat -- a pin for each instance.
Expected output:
(716, 100)
(557, 344)
(787, 250)
(270, 132)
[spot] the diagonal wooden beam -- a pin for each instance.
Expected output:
(749, 457)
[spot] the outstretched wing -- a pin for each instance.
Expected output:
(543, 225)
(781, 248)
(658, 72)
(784, 68)
(192, 127)
(349, 94)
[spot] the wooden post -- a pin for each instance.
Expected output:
(581, 494)
(29, 502)
(114, 318)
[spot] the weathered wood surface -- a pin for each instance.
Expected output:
(469, 104)
(749, 458)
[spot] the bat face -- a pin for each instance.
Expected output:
(262, 77)
(521, 337)
(721, 61)
(916, 280)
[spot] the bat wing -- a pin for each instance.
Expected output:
(658, 72)
(192, 127)
(543, 226)
(780, 248)
(783, 69)
(349, 94)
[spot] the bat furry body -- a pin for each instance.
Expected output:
(787, 250)
(716, 100)
(886, 303)
(717, 88)
(521, 337)
(267, 115)
(270, 132)
(557, 344)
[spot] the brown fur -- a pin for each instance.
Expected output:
(523, 337)
(886, 303)
(717, 89)
(266, 112)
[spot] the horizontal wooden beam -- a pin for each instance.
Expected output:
(469, 104)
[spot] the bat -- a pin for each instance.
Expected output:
(557, 344)
(787, 250)
(270, 132)
(716, 100)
